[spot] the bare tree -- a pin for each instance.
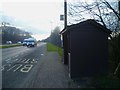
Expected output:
(101, 11)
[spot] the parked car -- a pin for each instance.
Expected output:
(19, 42)
(8, 42)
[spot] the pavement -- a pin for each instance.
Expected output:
(53, 74)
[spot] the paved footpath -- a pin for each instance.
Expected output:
(51, 73)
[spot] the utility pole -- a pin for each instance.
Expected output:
(65, 14)
(65, 36)
(119, 7)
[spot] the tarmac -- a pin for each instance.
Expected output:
(52, 74)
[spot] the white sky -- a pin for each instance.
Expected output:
(44, 15)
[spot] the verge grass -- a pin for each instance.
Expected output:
(54, 48)
(9, 46)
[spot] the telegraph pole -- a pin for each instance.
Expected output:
(65, 14)
(119, 7)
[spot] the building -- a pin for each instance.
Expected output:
(86, 48)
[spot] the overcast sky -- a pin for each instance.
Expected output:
(37, 16)
(40, 15)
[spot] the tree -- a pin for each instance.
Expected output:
(10, 33)
(102, 11)
(55, 37)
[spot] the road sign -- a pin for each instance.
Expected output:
(61, 17)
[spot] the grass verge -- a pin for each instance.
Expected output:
(54, 48)
(9, 46)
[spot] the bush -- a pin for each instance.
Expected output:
(106, 82)
(114, 55)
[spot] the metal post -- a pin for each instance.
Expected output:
(119, 7)
(65, 14)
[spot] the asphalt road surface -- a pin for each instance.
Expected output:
(19, 64)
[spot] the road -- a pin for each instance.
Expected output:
(19, 64)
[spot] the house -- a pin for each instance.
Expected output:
(86, 48)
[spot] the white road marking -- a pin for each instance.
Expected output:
(22, 53)
(13, 57)
(37, 59)
(23, 60)
(20, 65)
(33, 61)
(8, 59)
(26, 68)
(16, 59)
(9, 64)
(12, 61)
(16, 56)
(27, 61)
(42, 54)
(2, 68)
(11, 68)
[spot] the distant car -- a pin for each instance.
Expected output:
(19, 42)
(8, 42)
(30, 42)
(24, 43)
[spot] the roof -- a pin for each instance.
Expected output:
(89, 21)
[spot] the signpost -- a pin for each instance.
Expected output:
(64, 17)
(65, 14)
(61, 17)
(119, 7)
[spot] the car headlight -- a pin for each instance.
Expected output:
(33, 43)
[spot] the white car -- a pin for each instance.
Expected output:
(24, 43)
(30, 42)
(8, 42)
(19, 42)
